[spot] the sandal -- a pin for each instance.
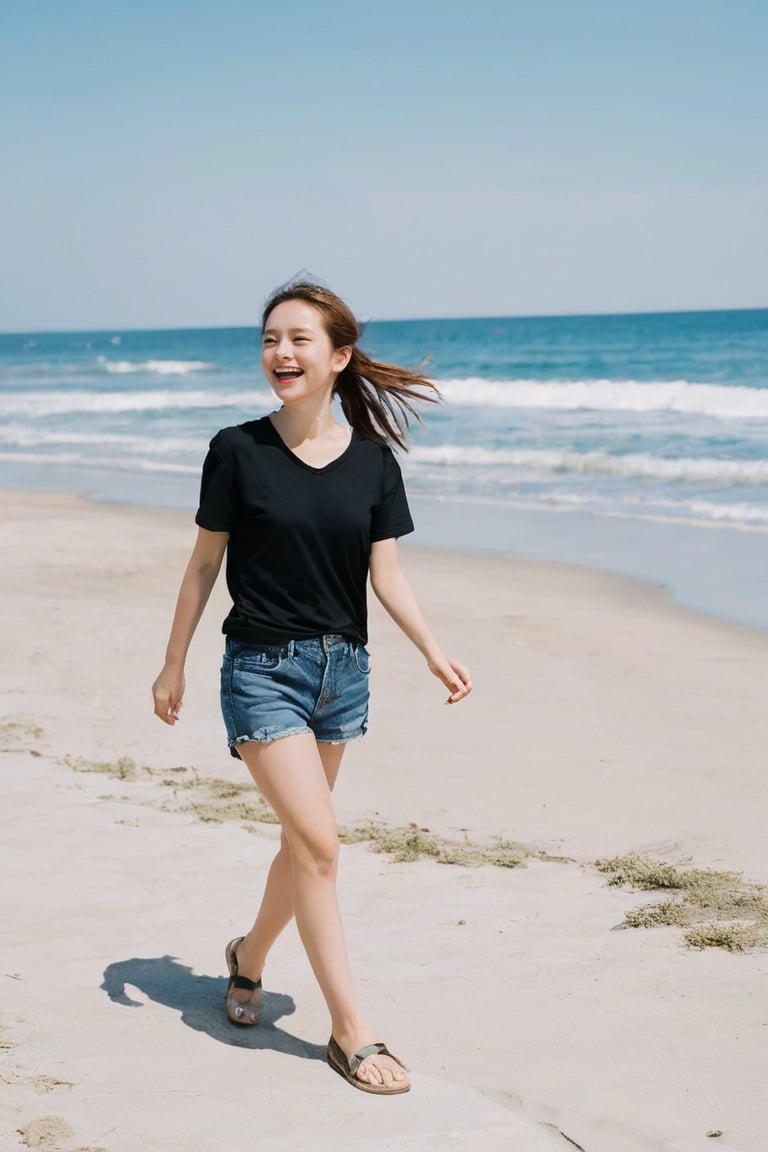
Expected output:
(245, 1012)
(348, 1068)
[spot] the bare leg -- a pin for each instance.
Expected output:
(290, 774)
(276, 910)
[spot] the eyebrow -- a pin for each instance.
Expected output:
(292, 331)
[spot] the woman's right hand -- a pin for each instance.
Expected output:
(199, 579)
(168, 693)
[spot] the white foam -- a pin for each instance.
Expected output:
(655, 507)
(740, 517)
(739, 513)
(159, 367)
(107, 463)
(730, 513)
(37, 404)
(455, 455)
(725, 403)
(28, 436)
(645, 466)
(41, 457)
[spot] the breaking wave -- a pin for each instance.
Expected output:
(725, 403)
(709, 470)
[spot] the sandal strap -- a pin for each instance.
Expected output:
(370, 1050)
(244, 983)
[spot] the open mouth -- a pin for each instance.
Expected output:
(288, 373)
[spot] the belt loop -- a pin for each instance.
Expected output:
(291, 649)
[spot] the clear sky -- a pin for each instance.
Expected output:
(167, 162)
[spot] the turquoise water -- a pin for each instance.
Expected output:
(603, 425)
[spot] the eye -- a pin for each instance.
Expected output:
(267, 340)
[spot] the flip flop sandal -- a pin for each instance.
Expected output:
(245, 1012)
(348, 1068)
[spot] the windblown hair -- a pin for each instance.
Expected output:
(378, 399)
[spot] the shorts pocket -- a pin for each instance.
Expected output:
(259, 658)
(362, 659)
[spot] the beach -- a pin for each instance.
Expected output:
(635, 445)
(606, 720)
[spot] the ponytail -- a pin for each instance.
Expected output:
(377, 399)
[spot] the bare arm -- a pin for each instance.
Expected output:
(394, 592)
(196, 586)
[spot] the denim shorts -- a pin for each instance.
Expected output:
(273, 690)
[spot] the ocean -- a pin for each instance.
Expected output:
(636, 444)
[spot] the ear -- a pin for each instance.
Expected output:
(341, 358)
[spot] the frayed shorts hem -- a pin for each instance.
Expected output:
(266, 737)
(342, 738)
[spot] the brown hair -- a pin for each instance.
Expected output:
(377, 398)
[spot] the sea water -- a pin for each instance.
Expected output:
(638, 444)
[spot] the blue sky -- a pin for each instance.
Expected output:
(168, 163)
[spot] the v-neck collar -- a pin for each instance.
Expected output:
(337, 460)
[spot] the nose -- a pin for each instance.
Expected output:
(283, 349)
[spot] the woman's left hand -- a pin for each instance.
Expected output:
(454, 675)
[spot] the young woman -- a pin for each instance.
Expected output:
(306, 510)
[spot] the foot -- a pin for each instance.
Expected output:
(242, 1001)
(370, 1067)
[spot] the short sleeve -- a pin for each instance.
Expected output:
(391, 516)
(218, 503)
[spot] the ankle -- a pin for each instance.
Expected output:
(250, 962)
(352, 1033)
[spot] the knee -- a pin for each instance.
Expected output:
(318, 855)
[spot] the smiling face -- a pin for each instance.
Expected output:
(297, 356)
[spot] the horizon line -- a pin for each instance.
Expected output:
(392, 320)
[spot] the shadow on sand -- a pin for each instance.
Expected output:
(200, 1000)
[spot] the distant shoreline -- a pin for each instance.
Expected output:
(696, 565)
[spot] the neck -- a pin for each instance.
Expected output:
(308, 421)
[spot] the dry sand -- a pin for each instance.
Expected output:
(604, 721)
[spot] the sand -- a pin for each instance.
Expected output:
(605, 721)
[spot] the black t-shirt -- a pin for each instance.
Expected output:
(300, 537)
